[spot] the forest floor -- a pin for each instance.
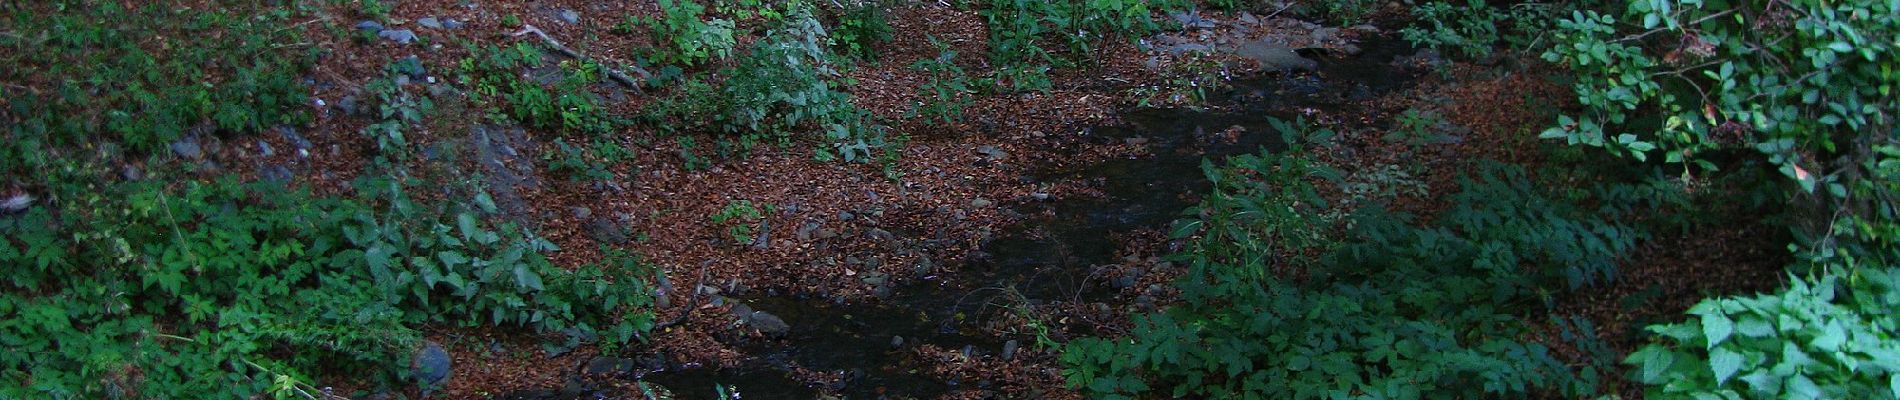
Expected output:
(860, 236)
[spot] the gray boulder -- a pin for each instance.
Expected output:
(431, 364)
(1275, 57)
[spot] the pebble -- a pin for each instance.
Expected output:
(981, 203)
(430, 22)
(1009, 349)
(372, 26)
(187, 148)
(570, 16)
(897, 341)
(403, 36)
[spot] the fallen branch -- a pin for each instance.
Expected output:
(692, 299)
(613, 73)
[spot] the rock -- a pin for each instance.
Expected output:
(981, 203)
(846, 216)
(403, 36)
(875, 278)
(570, 16)
(1275, 57)
(1191, 20)
(969, 351)
(371, 26)
(276, 173)
(610, 366)
(897, 341)
(451, 23)
(1323, 35)
(880, 235)
(1040, 196)
(605, 231)
(1249, 18)
(296, 140)
(1185, 48)
(263, 149)
(923, 266)
(430, 22)
(431, 364)
(187, 148)
(1136, 141)
(1126, 280)
(17, 203)
(992, 152)
(768, 324)
(1009, 349)
(806, 231)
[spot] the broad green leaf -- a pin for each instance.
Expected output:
(1724, 363)
(1717, 327)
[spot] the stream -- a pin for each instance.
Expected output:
(1043, 258)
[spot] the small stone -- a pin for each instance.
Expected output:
(770, 325)
(570, 16)
(1040, 196)
(187, 148)
(1136, 141)
(431, 364)
(969, 351)
(276, 174)
(880, 235)
(296, 140)
(264, 149)
(430, 22)
(451, 23)
(371, 26)
(897, 341)
(923, 266)
(981, 203)
(610, 366)
(1191, 20)
(16, 203)
(1009, 349)
(1249, 18)
(992, 152)
(403, 36)
(846, 216)
(1124, 281)
(875, 278)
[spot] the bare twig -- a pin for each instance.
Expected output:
(693, 299)
(613, 73)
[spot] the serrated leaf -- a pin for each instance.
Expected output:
(1717, 327)
(1724, 362)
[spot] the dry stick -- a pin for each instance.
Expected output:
(611, 72)
(693, 299)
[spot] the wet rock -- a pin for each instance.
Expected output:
(1009, 349)
(1275, 57)
(402, 36)
(875, 278)
(981, 203)
(431, 364)
(187, 148)
(371, 26)
(768, 324)
(610, 366)
(569, 16)
(924, 266)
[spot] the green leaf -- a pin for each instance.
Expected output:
(1717, 327)
(527, 278)
(1724, 363)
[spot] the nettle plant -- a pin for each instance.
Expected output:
(684, 38)
(948, 91)
(1287, 296)
(82, 72)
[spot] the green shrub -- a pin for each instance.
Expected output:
(860, 25)
(1288, 297)
(1826, 338)
(1804, 86)
(684, 38)
(86, 71)
(149, 290)
(784, 89)
(948, 91)
(738, 218)
(495, 77)
(1017, 28)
